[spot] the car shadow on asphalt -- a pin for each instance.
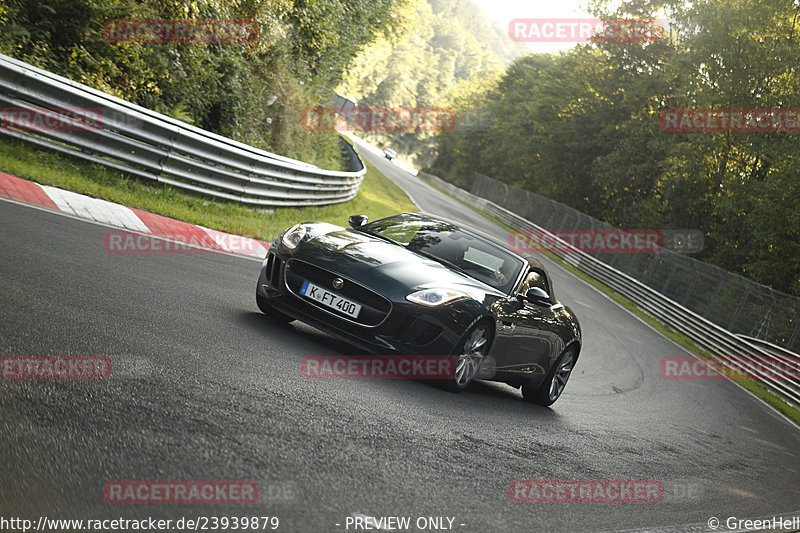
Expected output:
(482, 391)
(301, 331)
(491, 391)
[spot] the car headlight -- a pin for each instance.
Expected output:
(292, 236)
(435, 297)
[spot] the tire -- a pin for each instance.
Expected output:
(270, 311)
(553, 386)
(469, 356)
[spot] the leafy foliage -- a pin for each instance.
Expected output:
(252, 91)
(448, 46)
(582, 127)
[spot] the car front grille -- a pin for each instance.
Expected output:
(374, 307)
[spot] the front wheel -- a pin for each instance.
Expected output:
(270, 311)
(552, 387)
(470, 357)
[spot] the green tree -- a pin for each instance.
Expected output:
(446, 44)
(252, 91)
(583, 128)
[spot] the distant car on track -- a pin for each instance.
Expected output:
(415, 284)
(389, 154)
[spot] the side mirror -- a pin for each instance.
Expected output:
(356, 221)
(538, 296)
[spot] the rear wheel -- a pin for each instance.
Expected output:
(551, 388)
(270, 311)
(470, 357)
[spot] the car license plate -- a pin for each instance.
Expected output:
(332, 300)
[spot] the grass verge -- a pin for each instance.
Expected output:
(378, 196)
(756, 387)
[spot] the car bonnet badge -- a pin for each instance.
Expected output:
(338, 283)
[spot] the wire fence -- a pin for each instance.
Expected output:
(728, 300)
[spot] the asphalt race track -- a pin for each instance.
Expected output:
(204, 387)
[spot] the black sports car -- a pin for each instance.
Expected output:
(414, 284)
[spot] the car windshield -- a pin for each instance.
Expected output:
(452, 246)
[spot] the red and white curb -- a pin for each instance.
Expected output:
(127, 218)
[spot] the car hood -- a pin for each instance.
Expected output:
(379, 264)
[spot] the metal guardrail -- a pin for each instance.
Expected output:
(740, 354)
(364, 145)
(149, 145)
(728, 299)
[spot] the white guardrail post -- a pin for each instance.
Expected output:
(740, 354)
(149, 145)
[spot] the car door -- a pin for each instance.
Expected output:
(526, 340)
